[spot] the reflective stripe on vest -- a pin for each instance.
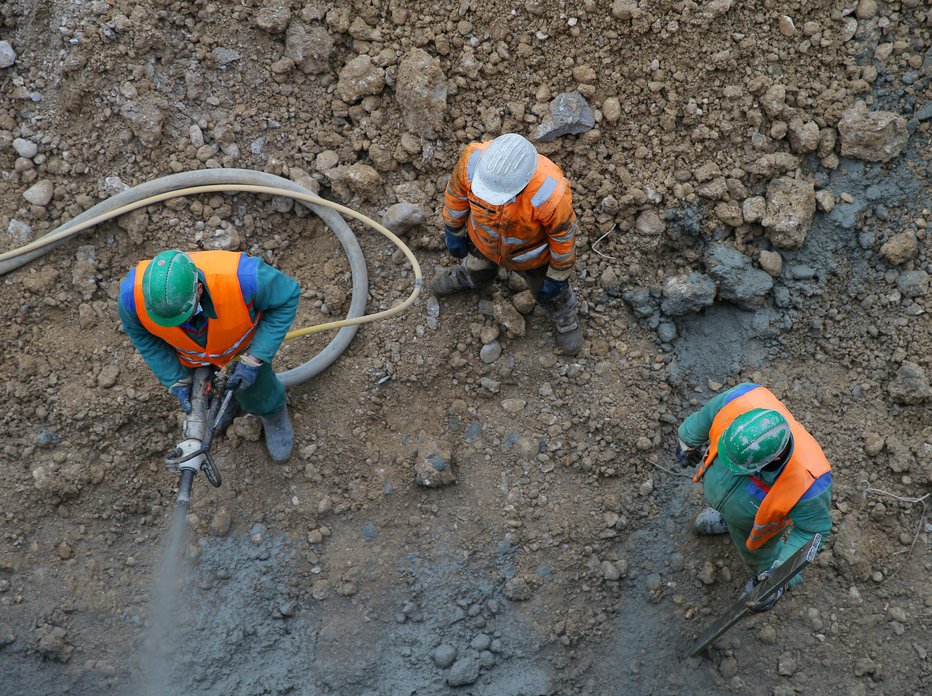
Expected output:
(228, 334)
(805, 466)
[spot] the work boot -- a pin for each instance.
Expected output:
(278, 435)
(570, 341)
(450, 281)
(710, 522)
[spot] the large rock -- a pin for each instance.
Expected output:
(401, 217)
(791, 204)
(910, 386)
(738, 280)
(358, 78)
(360, 179)
(310, 49)
(685, 294)
(875, 136)
(421, 92)
(569, 115)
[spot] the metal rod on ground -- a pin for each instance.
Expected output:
(781, 575)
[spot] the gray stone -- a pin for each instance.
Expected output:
(481, 642)
(910, 385)
(25, 148)
(641, 301)
(225, 56)
(463, 672)
(738, 281)
(570, 114)
(666, 331)
(875, 136)
(146, 118)
(490, 352)
(401, 217)
(518, 589)
(7, 54)
(40, 193)
(913, 283)
(360, 77)
(421, 92)
(791, 205)
(443, 655)
(310, 49)
(18, 231)
(687, 294)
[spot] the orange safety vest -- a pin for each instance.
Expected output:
(806, 464)
(536, 228)
(229, 333)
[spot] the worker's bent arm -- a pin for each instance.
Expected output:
(455, 199)
(562, 235)
(157, 354)
(277, 297)
(695, 429)
(810, 517)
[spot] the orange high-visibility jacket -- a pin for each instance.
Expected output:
(229, 333)
(806, 464)
(536, 228)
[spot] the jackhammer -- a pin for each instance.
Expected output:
(211, 407)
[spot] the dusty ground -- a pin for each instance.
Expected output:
(561, 561)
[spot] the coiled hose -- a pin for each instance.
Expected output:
(246, 180)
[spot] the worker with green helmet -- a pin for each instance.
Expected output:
(767, 480)
(208, 308)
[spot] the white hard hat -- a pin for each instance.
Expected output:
(506, 167)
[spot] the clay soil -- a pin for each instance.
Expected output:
(562, 560)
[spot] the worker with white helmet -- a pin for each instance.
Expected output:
(506, 205)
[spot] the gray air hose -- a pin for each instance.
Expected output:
(137, 197)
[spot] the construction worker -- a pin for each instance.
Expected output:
(184, 311)
(765, 476)
(506, 205)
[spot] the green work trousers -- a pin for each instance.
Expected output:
(266, 396)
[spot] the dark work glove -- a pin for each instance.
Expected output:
(754, 581)
(182, 392)
(550, 288)
(244, 376)
(456, 245)
(682, 454)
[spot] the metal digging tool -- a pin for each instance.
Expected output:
(793, 566)
(210, 403)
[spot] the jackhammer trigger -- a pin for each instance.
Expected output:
(211, 472)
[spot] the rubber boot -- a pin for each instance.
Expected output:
(570, 341)
(710, 522)
(278, 435)
(450, 281)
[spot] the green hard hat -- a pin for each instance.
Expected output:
(169, 288)
(753, 440)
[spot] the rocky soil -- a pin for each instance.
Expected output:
(752, 181)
